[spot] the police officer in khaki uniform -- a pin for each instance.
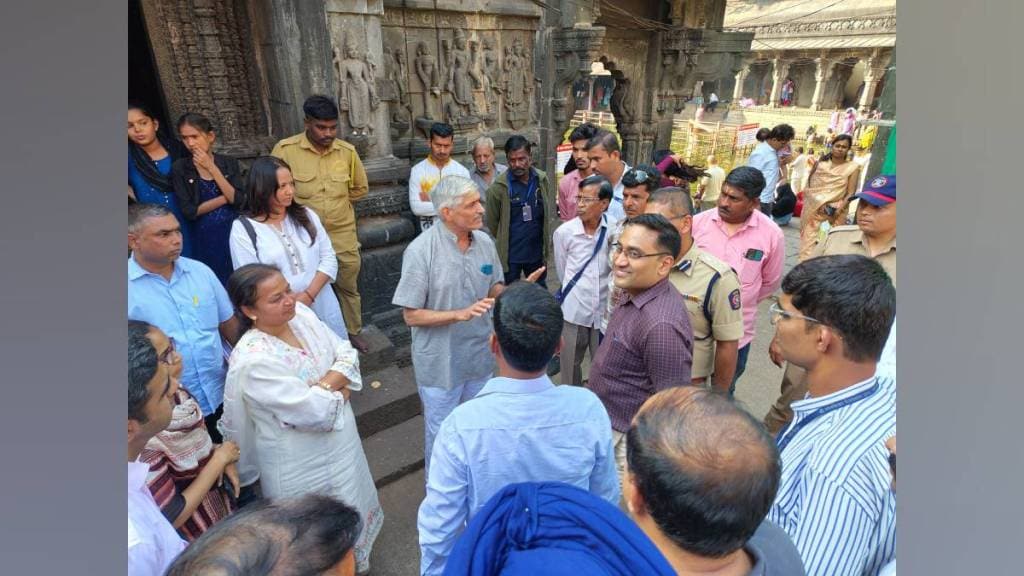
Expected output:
(873, 236)
(329, 177)
(711, 290)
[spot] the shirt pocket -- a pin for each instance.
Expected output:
(338, 181)
(750, 272)
(305, 184)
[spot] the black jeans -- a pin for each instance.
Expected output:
(741, 366)
(518, 270)
(766, 209)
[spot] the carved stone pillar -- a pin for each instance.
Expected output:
(741, 77)
(205, 62)
(822, 73)
(573, 50)
(780, 69)
(874, 71)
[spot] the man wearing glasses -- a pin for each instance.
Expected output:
(583, 268)
(637, 185)
(873, 236)
(649, 342)
(834, 498)
(744, 238)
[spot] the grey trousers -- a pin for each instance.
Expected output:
(576, 340)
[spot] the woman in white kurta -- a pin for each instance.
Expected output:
(286, 402)
(289, 236)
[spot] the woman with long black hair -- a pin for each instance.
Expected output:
(150, 157)
(275, 229)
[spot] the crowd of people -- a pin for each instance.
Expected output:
(244, 338)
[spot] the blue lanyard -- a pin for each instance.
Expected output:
(531, 189)
(785, 438)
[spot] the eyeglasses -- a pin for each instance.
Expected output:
(634, 254)
(777, 312)
(169, 357)
(586, 199)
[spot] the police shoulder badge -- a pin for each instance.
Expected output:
(734, 299)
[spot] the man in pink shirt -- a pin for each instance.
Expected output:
(569, 185)
(743, 237)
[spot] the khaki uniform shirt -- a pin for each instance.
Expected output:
(850, 240)
(327, 183)
(691, 277)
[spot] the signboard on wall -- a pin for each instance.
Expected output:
(563, 154)
(746, 135)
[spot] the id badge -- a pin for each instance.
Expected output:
(527, 213)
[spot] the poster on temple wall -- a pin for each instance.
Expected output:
(563, 154)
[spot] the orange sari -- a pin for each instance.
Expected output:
(830, 185)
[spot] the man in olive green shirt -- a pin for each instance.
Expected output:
(329, 177)
(710, 290)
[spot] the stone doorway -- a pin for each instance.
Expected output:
(143, 82)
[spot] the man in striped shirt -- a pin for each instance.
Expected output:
(834, 499)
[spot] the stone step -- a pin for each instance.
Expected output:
(395, 452)
(392, 403)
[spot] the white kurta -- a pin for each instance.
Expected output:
(279, 248)
(294, 436)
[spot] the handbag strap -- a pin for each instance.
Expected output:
(561, 295)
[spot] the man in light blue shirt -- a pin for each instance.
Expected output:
(519, 428)
(765, 158)
(184, 298)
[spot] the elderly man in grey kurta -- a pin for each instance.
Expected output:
(450, 277)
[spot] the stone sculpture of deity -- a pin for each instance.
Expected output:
(460, 80)
(358, 95)
(426, 70)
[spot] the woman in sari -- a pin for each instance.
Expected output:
(286, 402)
(193, 481)
(831, 183)
(290, 236)
(150, 157)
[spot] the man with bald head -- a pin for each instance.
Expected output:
(701, 476)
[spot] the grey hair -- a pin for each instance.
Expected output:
(449, 191)
(482, 141)
(139, 213)
(676, 199)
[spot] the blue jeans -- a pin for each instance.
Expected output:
(741, 365)
(519, 270)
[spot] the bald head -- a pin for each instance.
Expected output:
(706, 471)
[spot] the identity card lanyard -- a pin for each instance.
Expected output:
(785, 438)
(529, 199)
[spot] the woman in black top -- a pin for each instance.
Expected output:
(207, 186)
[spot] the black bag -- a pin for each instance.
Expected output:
(785, 202)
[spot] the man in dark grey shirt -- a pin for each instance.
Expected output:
(701, 475)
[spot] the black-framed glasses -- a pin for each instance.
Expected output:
(634, 254)
(168, 356)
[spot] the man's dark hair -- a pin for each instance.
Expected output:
(851, 294)
(142, 366)
(668, 237)
(319, 107)
(762, 134)
(782, 132)
(528, 325)
(517, 142)
(632, 177)
(708, 472)
(606, 140)
(677, 200)
(304, 536)
(584, 131)
(605, 190)
(747, 179)
(441, 130)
